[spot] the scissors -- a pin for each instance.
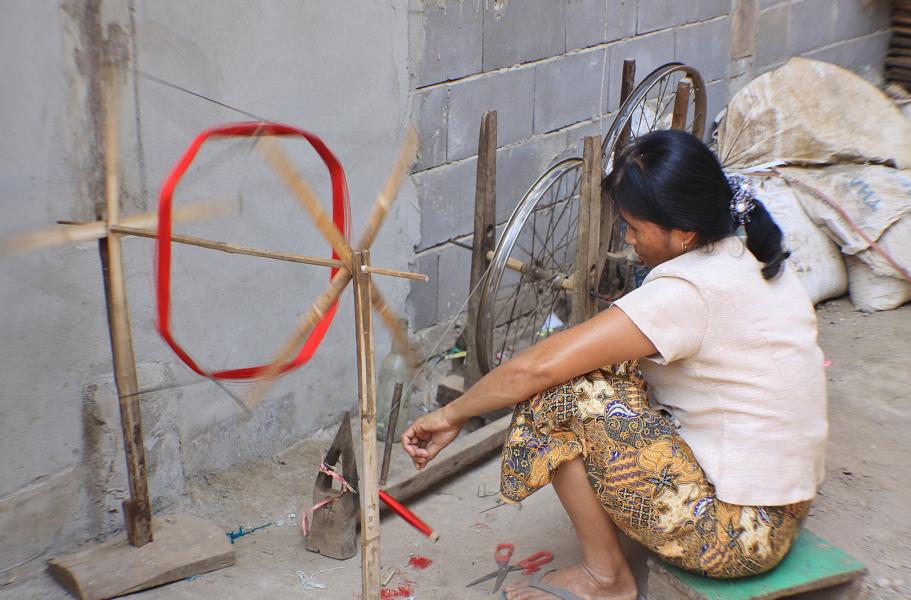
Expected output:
(502, 555)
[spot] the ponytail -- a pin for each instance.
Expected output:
(764, 240)
(670, 178)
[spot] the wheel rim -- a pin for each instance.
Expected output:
(648, 108)
(503, 288)
(516, 309)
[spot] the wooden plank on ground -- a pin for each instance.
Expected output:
(462, 453)
(184, 546)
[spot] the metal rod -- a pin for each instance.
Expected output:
(559, 280)
(391, 424)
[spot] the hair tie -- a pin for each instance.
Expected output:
(742, 195)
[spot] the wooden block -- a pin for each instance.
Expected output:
(450, 387)
(812, 564)
(334, 529)
(184, 546)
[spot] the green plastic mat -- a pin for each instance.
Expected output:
(813, 563)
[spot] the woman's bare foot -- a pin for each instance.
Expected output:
(583, 581)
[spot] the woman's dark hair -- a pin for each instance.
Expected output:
(672, 179)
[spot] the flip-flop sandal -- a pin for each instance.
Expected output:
(536, 583)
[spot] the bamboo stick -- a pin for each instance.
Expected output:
(341, 279)
(390, 190)
(305, 325)
(391, 321)
(369, 486)
(281, 163)
(77, 233)
(246, 250)
(137, 510)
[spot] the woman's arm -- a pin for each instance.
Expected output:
(608, 338)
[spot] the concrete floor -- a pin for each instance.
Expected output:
(862, 506)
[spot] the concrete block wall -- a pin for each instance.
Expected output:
(551, 69)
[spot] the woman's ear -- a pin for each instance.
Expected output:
(691, 238)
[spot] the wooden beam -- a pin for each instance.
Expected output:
(462, 453)
(137, 511)
(681, 106)
(369, 487)
(485, 235)
(627, 83)
(589, 224)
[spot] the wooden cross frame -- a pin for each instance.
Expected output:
(182, 545)
(366, 298)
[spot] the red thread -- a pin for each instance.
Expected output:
(404, 591)
(340, 216)
(419, 562)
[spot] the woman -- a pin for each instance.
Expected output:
(712, 461)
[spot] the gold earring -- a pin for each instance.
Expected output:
(684, 244)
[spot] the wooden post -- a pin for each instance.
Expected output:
(485, 234)
(137, 511)
(586, 263)
(369, 489)
(626, 88)
(681, 106)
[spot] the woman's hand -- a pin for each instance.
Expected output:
(428, 435)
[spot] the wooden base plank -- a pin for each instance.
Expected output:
(184, 546)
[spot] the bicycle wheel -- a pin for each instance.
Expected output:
(525, 296)
(650, 107)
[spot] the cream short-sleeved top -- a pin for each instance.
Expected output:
(739, 369)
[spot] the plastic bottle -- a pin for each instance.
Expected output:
(393, 369)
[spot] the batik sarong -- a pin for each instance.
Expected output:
(644, 474)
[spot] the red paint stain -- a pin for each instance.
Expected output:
(419, 562)
(404, 591)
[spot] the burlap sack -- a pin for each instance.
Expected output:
(809, 112)
(877, 200)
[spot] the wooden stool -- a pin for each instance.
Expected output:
(812, 564)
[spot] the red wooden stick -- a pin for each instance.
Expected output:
(399, 509)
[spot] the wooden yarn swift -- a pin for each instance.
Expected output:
(154, 551)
